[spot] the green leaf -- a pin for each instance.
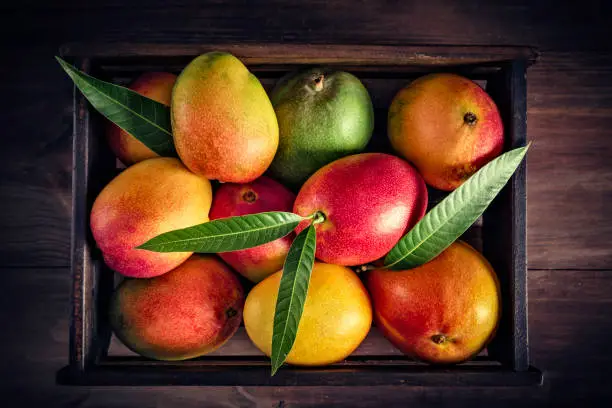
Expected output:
(145, 119)
(292, 293)
(455, 214)
(226, 234)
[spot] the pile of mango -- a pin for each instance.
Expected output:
(303, 149)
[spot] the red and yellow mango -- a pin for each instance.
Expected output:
(223, 122)
(447, 126)
(368, 201)
(145, 200)
(261, 195)
(185, 313)
(153, 85)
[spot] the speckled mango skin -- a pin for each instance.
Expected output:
(337, 316)
(145, 200)
(223, 123)
(261, 195)
(319, 126)
(185, 313)
(128, 149)
(456, 295)
(368, 199)
(426, 126)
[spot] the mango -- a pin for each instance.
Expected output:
(323, 115)
(337, 316)
(261, 195)
(444, 311)
(447, 126)
(145, 200)
(368, 201)
(128, 149)
(223, 123)
(188, 312)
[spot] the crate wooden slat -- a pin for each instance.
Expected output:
(97, 359)
(283, 54)
(368, 374)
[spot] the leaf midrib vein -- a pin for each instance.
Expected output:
(422, 241)
(223, 236)
(100, 92)
(291, 298)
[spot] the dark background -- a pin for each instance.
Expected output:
(569, 181)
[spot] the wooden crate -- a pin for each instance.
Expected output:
(96, 358)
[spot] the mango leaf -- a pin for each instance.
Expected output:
(292, 293)
(455, 214)
(226, 234)
(145, 119)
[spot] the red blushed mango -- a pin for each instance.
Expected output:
(447, 126)
(153, 85)
(261, 195)
(223, 122)
(145, 200)
(188, 312)
(368, 201)
(441, 312)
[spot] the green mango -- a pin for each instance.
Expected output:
(323, 115)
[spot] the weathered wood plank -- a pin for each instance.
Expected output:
(286, 54)
(570, 286)
(570, 167)
(35, 225)
(508, 22)
(35, 161)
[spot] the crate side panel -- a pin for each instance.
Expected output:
(371, 374)
(92, 169)
(80, 335)
(504, 226)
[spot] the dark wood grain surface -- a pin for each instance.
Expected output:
(569, 181)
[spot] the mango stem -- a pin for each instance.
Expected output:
(249, 196)
(363, 268)
(470, 118)
(438, 338)
(319, 82)
(318, 217)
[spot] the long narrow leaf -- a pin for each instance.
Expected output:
(292, 293)
(226, 234)
(145, 119)
(455, 214)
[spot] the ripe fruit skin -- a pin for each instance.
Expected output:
(368, 199)
(185, 313)
(336, 318)
(261, 195)
(153, 85)
(145, 200)
(447, 126)
(453, 299)
(223, 123)
(322, 116)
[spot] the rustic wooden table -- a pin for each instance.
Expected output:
(569, 181)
